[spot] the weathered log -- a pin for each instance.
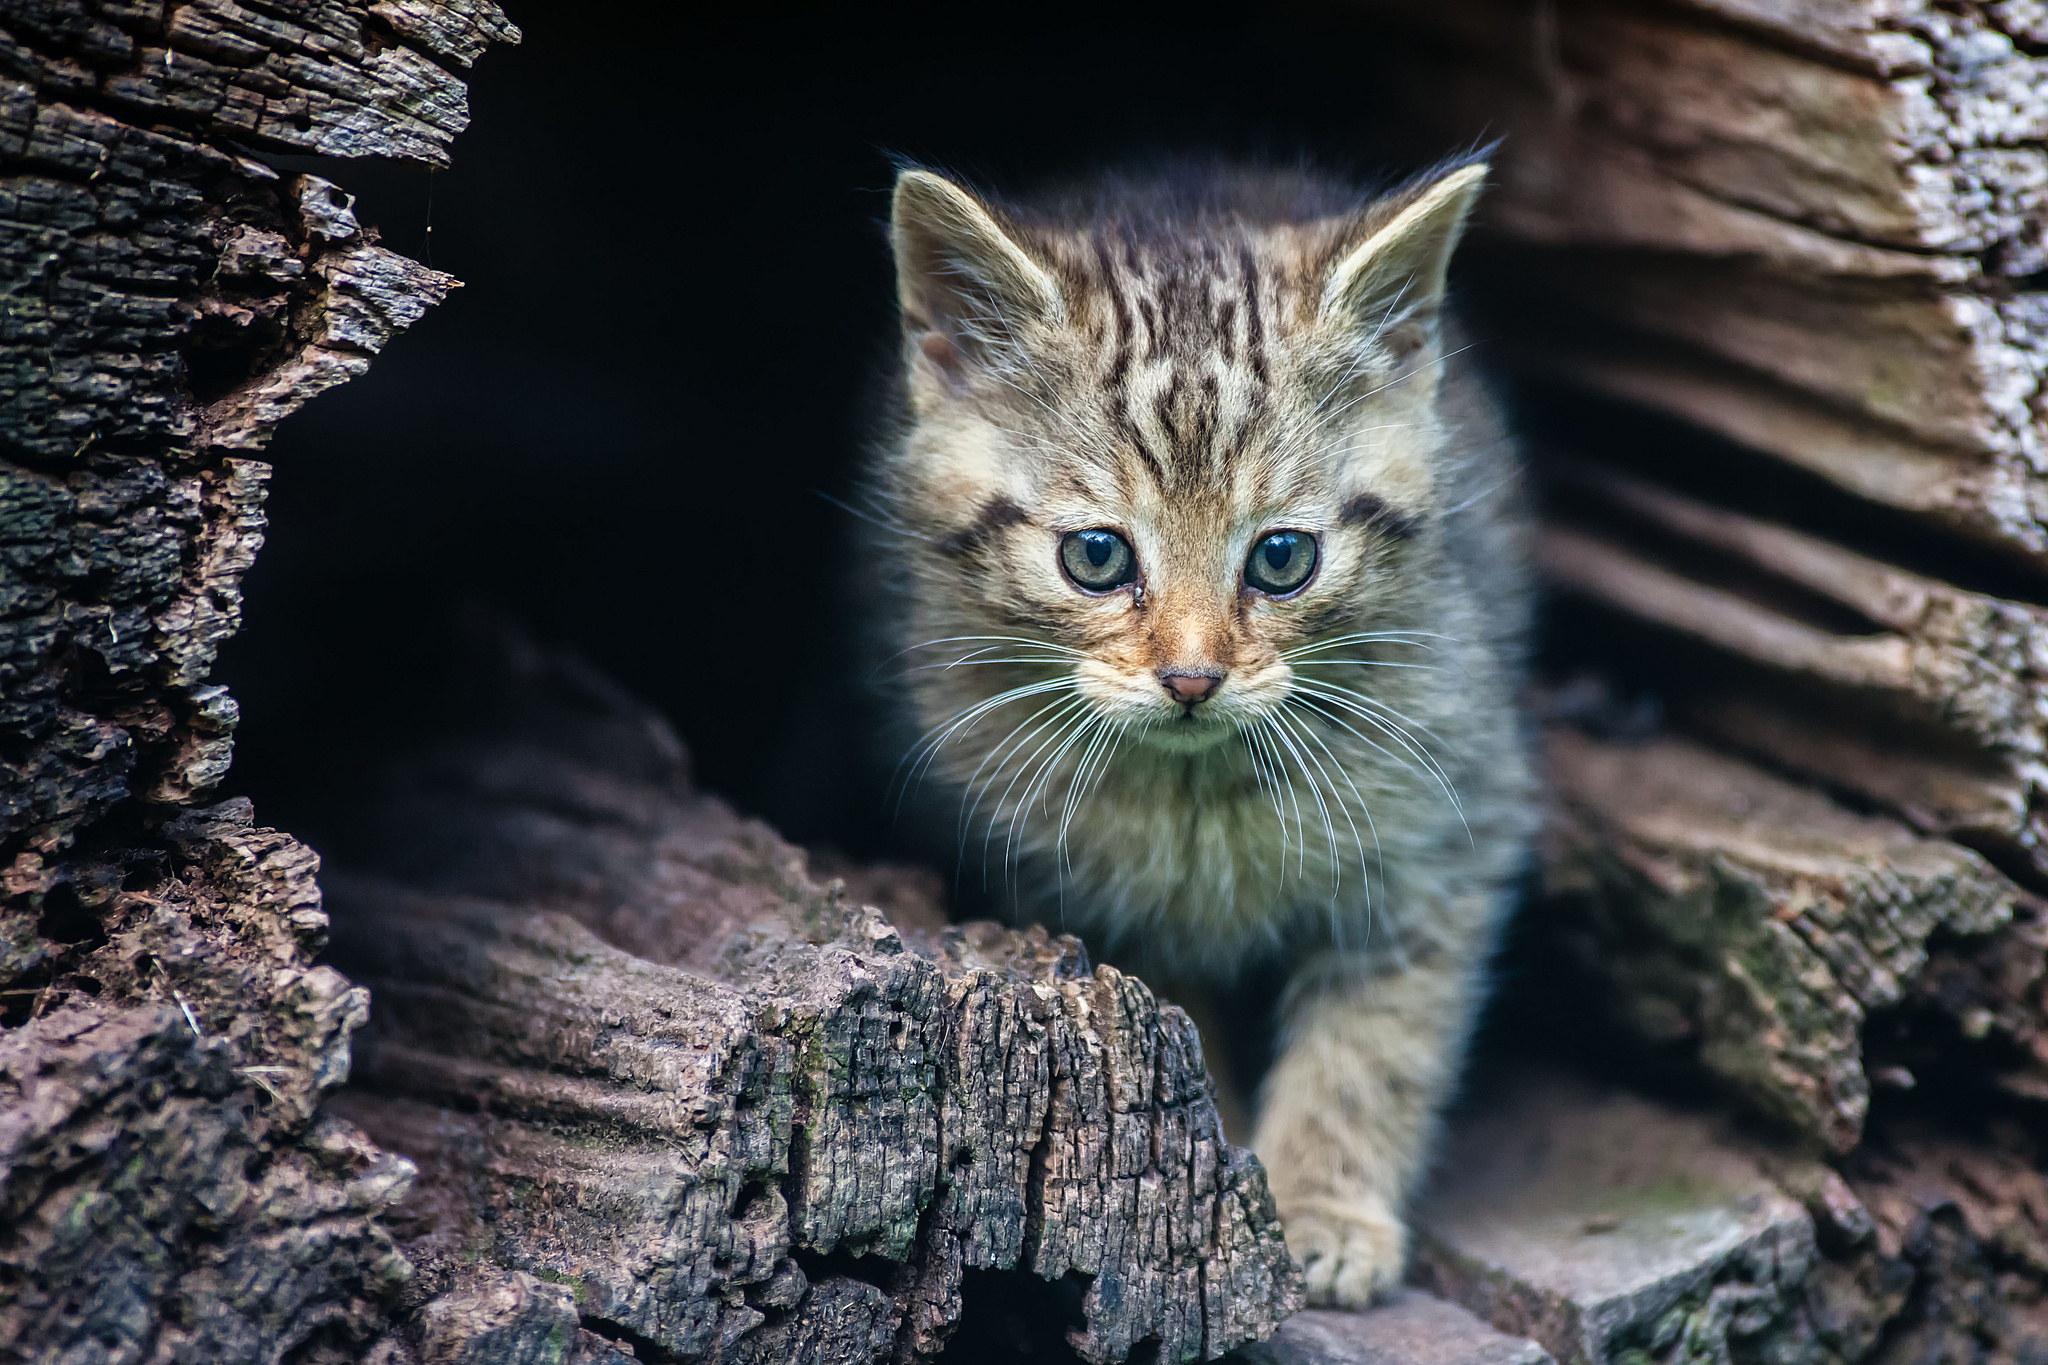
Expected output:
(1613, 1229)
(1411, 1328)
(1830, 213)
(1959, 661)
(1758, 921)
(169, 1187)
(675, 1096)
(172, 298)
(1814, 230)
(639, 1052)
(1921, 697)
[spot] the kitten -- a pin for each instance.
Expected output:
(1212, 595)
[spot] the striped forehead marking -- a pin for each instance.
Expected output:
(1185, 375)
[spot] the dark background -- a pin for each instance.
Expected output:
(677, 295)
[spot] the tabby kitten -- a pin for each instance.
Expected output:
(1212, 591)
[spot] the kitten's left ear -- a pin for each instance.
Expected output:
(1392, 283)
(966, 285)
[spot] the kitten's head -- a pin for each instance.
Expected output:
(1171, 439)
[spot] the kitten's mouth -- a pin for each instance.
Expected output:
(1194, 728)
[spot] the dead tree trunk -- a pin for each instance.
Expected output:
(640, 1086)
(1814, 231)
(726, 1111)
(1775, 273)
(169, 1187)
(666, 1097)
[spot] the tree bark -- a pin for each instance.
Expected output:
(1611, 1228)
(1829, 214)
(642, 1054)
(170, 1187)
(682, 1100)
(664, 1093)
(1770, 278)
(1807, 237)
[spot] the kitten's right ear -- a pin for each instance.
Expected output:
(965, 284)
(1392, 283)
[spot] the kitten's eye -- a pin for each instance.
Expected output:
(1281, 562)
(1098, 560)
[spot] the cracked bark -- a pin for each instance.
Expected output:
(669, 1098)
(672, 1095)
(1789, 256)
(643, 1056)
(1775, 273)
(169, 1183)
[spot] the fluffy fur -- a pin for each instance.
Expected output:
(1193, 363)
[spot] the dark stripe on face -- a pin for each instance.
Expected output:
(1254, 324)
(998, 513)
(1206, 413)
(1369, 509)
(1120, 414)
(1162, 406)
(1120, 361)
(1152, 329)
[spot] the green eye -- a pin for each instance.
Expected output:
(1281, 562)
(1098, 561)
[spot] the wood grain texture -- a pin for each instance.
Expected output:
(1757, 920)
(1616, 1229)
(170, 1186)
(638, 1051)
(1836, 208)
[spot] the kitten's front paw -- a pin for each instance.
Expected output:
(1351, 1252)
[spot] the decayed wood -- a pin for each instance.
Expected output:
(1832, 212)
(1815, 229)
(172, 298)
(638, 1052)
(1613, 1229)
(1998, 503)
(1409, 1328)
(1923, 698)
(1758, 920)
(169, 1186)
(171, 1189)
(1970, 664)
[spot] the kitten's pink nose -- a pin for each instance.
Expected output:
(1190, 687)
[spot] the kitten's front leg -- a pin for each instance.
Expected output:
(1350, 1109)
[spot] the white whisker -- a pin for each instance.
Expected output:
(927, 747)
(1399, 736)
(1065, 711)
(1315, 790)
(999, 754)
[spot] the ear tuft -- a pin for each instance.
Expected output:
(962, 279)
(1396, 275)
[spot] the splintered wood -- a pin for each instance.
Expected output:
(1825, 217)
(638, 1052)
(1779, 266)
(172, 1187)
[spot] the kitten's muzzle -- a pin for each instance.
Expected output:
(1189, 688)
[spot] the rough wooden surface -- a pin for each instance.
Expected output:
(170, 299)
(1597, 1223)
(1410, 1328)
(1923, 698)
(1773, 269)
(1831, 214)
(638, 1052)
(169, 1188)
(1754, 918)
(1615, 1230)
